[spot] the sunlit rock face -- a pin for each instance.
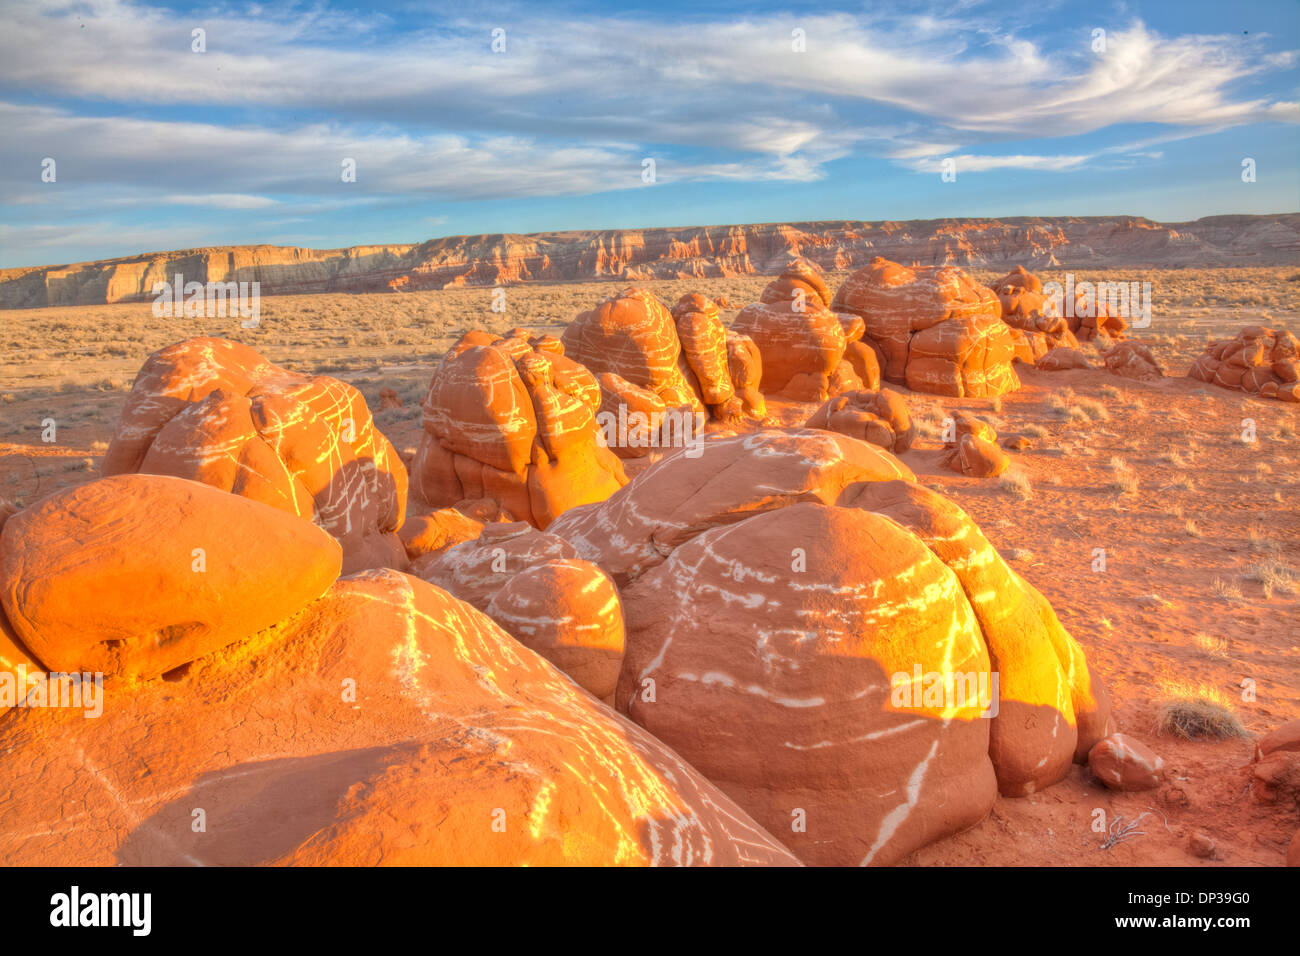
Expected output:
(386, 723)
(1260, 360)
(513, 420)
(837, 647)
(217, 412)
(938, 329)
(801, 341)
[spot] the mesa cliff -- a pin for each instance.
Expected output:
(666, 253)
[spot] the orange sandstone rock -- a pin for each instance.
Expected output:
(751, 588)
(939, 330)
(973, 448)
(217, 412)
(515, 424)
(1261, 360)
(568, 611)
(134, 575)
(801, 340)
(704, 344)
(1123, 763)
(475, 570)
(745, 363)
(782, 687)
(1034, 316)
(1133, 360)
(1062, 358)
(427, 534)
(879, 417)
(634, 336)
(388, 723)
(19, 670)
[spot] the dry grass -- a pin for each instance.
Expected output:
(1016, 484)
(1273, 576)
(1122, 477)
(1076, 408)
(1225, 589)
(1210, 646)
(1197, 712)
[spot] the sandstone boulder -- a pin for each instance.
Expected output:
(19, 670)
(1033, 314)
(794, 601)
(879, 417)
(1285, 737)
(217, 412)
(1062, 359)
(135, 575)
(1133, 360)
(1123, 763)
(862, 356)
(569, 612)
(634, 336)
(388, 723)
(475, 570)
(704, 345)
(976, 457)
(938, 330)
(737, 476)
(1260, 360)
(801, 340)
(427, 534)
(1054, 709)
(1090, 320)
(972, 448)
(746, 365)
(514, 423)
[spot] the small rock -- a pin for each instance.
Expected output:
(1017, 443)
(1285, 737)
(1202, 846)
(1122, 763)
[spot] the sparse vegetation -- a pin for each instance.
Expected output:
(1016, 484)
(1197, 713)
(1122, 477)
(1212, 646)
(1225, 589)
(1273, 576)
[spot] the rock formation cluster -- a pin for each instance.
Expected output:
(1260, 360)
(513, 420)
(217, 412)
(938, 330)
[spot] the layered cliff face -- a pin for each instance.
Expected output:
(688, 252)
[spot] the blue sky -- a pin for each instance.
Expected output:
(158, 147)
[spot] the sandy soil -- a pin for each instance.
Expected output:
(1201, 590)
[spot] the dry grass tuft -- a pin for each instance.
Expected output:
(1122, 477)
(1273, 575)
(1216, 647)
(1197, 712)
(1015, 483)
